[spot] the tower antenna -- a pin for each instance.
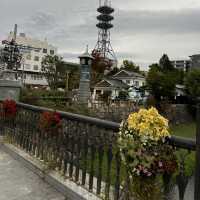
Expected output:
(105, 18)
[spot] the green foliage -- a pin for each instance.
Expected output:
(52, 68)
(57, 72)
(162, 79)
(188, 161)
(146, 189)
(113, 71)
(123, 95)
(184, 130)
(161, 85)
(180, 76)
(130, 66)
(192, 83)
(74, 79)
(165, 63)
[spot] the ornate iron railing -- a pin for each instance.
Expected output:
(83, 149)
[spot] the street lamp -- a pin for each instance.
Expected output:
(67, 81)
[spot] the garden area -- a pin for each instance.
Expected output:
(187, 130)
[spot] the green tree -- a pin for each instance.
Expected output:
(74, 79)
(192, 83)
(162, 79)
(53, 70)
(113, 71)
(166, 66)
(129, 65)
(165, 63)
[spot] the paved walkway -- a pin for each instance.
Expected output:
(19, 183)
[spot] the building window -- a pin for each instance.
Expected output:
(52, 52)
(136, 83)
(36, 58)
(27, 66)
(37, 50)
(34, 77)
(83, 62)
(44, 50)
(128, 81)
(28, 57)
(35, 67)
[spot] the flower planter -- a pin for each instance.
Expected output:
(146, 155)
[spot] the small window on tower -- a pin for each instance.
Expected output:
(52, 52)
(37, 50)
(83, 61)
(44, 50)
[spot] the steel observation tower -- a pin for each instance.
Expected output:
(105, 18)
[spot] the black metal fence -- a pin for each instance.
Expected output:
(84, 149)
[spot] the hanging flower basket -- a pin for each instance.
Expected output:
(9, 109)
(144, 152)
(49, 123)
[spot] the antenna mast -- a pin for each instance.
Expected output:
(15, 33)
(103, 46)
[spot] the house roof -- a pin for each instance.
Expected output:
(86, 54)
(126, 73)
(178, 86)
(109, 82)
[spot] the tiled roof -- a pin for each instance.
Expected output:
(126, 73)
(113, 83)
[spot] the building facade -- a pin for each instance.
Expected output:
(195, 61)
(181, 64)
(121, 81)
(30, 70)
(130, 78)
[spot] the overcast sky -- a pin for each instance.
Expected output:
(144, 29)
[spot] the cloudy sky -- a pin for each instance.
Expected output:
(144, 29)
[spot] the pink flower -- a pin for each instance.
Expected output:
(149, 174)
(145, 171)
(160, 164)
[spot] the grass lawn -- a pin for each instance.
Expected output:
(184, 130)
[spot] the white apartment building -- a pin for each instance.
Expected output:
(182, 64)
(31, 62)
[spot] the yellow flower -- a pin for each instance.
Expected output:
(148, 123)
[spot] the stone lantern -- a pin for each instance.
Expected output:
(84, 86)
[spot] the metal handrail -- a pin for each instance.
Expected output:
(181, 142)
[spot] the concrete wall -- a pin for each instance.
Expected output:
(10, 89)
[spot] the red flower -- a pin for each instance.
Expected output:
(49, 121)
(9, 108)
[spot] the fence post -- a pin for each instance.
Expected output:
(197, 170)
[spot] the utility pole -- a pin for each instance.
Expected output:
(67, 81)
(197, 170)
(23, 79)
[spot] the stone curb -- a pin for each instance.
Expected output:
(71, 190)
